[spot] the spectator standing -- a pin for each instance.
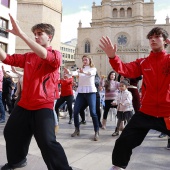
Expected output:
(8, 87)
(2, 110)
(66, 95)
(124, 106)
(111, 92)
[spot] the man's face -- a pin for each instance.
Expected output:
(157, 42)
(42, 38)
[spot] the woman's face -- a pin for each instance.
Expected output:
(86, 61)
(112, 76)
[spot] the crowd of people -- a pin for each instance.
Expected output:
(35, 112)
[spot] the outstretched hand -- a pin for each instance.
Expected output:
(107, 47)
(16, 30)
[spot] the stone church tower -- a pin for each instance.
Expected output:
(31, 12)
(126, 22)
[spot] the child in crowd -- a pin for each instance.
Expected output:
(125, 107)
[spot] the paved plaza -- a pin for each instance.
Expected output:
(85, 154)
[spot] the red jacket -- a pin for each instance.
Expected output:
(156, 81)
(66, 86)
(40, 78)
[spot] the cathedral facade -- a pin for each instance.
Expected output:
(126, 23)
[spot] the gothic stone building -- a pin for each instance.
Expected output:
(126, 22)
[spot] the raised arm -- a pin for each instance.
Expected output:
(17, 72)
(16, 30)
(108, 47)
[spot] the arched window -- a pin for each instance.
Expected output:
(122, 12)
(129, 12)
(114, 12)
(87, 47)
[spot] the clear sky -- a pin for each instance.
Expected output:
(76, 10)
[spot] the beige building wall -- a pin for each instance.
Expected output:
(126, 22)
(38, 11)
(9, 41)
(4, 14)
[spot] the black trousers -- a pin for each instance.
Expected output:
(61, 100)
(22, 125)
(107, 107)
(133, 135)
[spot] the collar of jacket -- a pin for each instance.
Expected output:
(49, 48)
(158, 54)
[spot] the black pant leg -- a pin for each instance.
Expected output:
(17, 135)
(133, 135)
(52, 152)
(69, 100)
(106, 108)
(98, 112)
(59, 102)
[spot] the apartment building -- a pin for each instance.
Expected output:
(7, 40)
(67, 50)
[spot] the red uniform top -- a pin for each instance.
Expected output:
(66, 86)
(155, 69)
(40, 78)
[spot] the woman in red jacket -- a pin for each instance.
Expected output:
(66, 84)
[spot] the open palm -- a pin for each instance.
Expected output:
(107, 47)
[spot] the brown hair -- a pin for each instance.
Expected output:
(158, 31)
(90, 60)
(125, 82)
(47, 28)
(107, 82)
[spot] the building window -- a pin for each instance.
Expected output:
(87, 47)
(3, 46)
(122, 12)
(5, 3)
(115, 13)
(129, 12)
(3, 27)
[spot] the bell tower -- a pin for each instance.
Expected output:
(38, 11)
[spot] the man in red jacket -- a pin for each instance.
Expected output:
(155, 103)
(33, 114)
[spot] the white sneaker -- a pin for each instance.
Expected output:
(115, 168)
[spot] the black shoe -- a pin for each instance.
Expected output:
(8, 167)
(70, 122)
(168, 145)
(115, 134)
(162, 135)
(83, 122)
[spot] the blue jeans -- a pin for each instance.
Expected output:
(81, 100)
(2, 110)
